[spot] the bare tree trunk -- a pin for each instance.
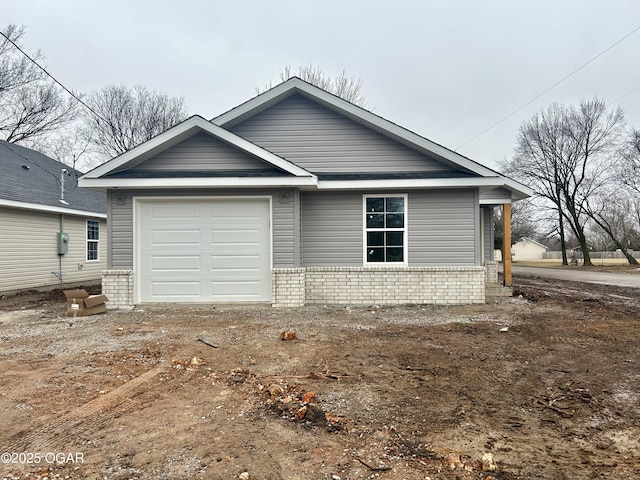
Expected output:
(563, 241)
(586, 256)
(609, 231)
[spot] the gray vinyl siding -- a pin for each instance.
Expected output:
(201, 152)
(496, 196)
(29, 252)
(331, 229)
(121, 222)
(442, 228)
(285, 226)
(321, 140)
(120, 214)
(488, 233)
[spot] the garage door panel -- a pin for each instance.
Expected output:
(177, 211)
(234, 289)
(235, 262)
(174, 264)
(238, 211)
(177, 238)
(176, 289)
(204, 250)
(251, 237)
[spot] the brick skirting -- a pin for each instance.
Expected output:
(117, 285)
(294, 287)
(378, 285)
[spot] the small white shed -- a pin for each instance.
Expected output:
(525, 249)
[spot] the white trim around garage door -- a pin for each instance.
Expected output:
(142, 262)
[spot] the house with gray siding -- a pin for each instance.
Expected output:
(52, 233)
(298, 197)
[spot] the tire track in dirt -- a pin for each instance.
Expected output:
(66, 430)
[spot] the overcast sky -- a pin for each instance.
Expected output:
(445, 69)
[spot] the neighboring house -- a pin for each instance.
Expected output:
(297, 196)
(33, 214)
(525, 249)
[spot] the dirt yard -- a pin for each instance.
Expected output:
(542, 385)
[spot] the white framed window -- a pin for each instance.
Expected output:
(385, 229)
(93, 240)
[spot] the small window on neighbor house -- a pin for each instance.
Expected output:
(93, 240)
(385, 229)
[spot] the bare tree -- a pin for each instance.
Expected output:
(628, 171)
(613, 211)
(122, 118)
(565, 154)
(342, 85)
(69, 146)
(31, 104)
(523, 223)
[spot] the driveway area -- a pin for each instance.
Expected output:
(579, 274)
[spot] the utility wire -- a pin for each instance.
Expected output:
(624, 96)
(35, 164)
(547, 90)
(56, 80)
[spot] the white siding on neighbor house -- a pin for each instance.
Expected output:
(442, 228)
(321, 140)
(29, 250)
(201, 152)
(120, 205)
(527, 249)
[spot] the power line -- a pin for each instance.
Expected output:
(547, 90)
(6, 144)
(78, 99)
(624, 96)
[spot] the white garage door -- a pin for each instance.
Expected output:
(205, 250)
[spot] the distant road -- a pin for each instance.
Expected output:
(577, 274)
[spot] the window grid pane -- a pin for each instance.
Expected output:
(93, 240)
(385, 229)
(92, 251)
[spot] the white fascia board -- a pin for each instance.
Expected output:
(494, 201)
(224, 182)
(50, 209)
(521, 191)
(196, 122)
(473, 182)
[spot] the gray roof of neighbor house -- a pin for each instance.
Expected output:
(29, 179)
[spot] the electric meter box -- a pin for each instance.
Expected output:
(63, 243)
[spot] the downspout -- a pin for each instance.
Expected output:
(59, 253)
(63, 201)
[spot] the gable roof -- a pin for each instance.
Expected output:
(471, 174)
(99, 176)
(31, 180)
(295, 85)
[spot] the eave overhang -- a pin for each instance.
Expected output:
(50, 209)
(197, 182)
(484, 184)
